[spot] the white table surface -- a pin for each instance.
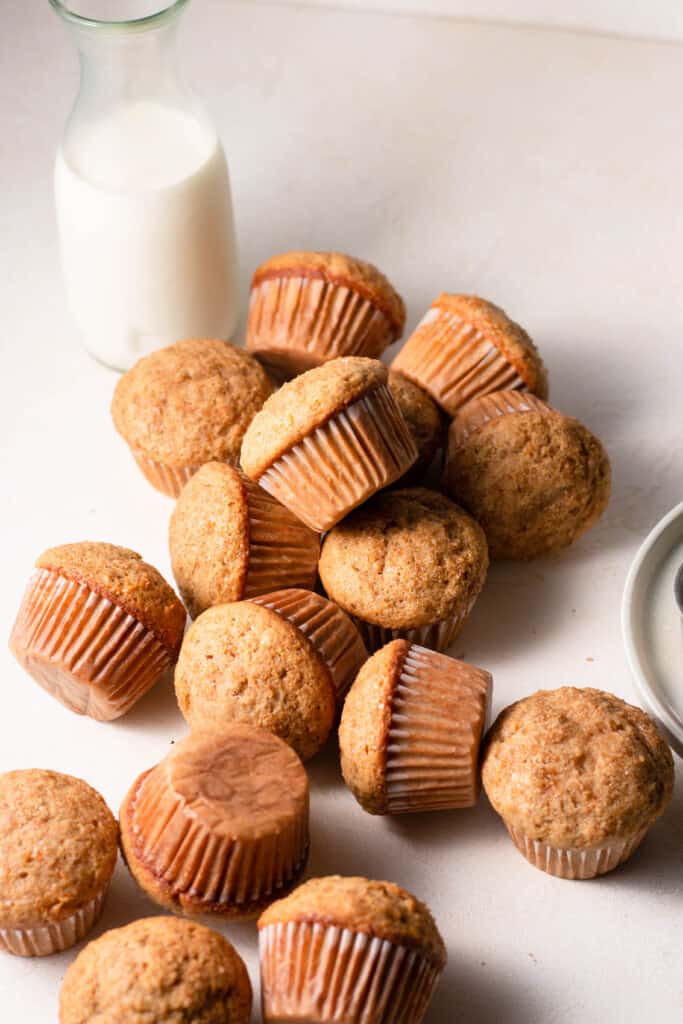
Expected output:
(540, 169)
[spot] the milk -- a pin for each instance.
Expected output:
(147, 238)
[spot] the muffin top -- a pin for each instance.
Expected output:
(161, 969)
(58, 846)
(235, 780)
(190, 402)
(243, 662)
(507, 336)
(421, 414)
(576, 767)
(361, 277)
(534, 479)
(406, 559)
(122, 577)
(381, 909)
(305, 403)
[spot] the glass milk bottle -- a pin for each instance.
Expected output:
(142, 189)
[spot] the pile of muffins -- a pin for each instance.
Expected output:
(331, 534)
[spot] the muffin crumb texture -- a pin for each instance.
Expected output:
(159, 970)
(381, 909)
(576, 767)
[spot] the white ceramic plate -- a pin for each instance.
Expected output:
(653, 628)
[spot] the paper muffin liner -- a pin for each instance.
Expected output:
(53, 937)
(324, 973)
(341, 463)
(283, 552)
(437, 636)
(201, 867)
(438, 714)
(330, 631)
(296, 323)
(576, 864)
(490, 407)
(170, 480)
(83, 649)
(454, 361)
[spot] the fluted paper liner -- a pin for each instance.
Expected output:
(170, 480)
(83, 649)
(283, 552)
(329, 630)
(342, 463)
(491, 407)
(575, 863)
(296, 323)
(454, 361)
(53, 937)
(216, 837)
(327, 974)
(438, 714)
(438, 636)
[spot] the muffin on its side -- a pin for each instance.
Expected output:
(280, 661)
(58, 849)
(465, 347)
(158, 969)
(424, 421)
(328, 440)
(220, 826)
(309, 307)
(578, 777)
(348, 949)
(230, 540)
(188, 404)
(410, 731)
(97, 627)
(534, 479)
(409, 564)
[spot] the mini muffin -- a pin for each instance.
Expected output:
(535, 479)
(159, 970)
(408, 564)
(466, 347)
(351, 950)
(281, 661)
(220, 826)
(97, 627)
(230, 540)
(58, 848)
(309, 307)
(188, 404)
(328, 440)
(423, 419)
(578, 777)
(410, 731)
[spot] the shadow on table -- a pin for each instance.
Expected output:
(480, 998)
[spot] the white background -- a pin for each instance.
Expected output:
(540, 169)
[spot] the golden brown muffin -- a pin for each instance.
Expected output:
(245, 662)
(409, 563)
(58, 848)
(535, 479)
(410, 731)
(188, 404)
(328, 440)
(316, 943)
(423, 419)
(240, 793)
(309, 307)
(578, 777)
(230, 540)
(465, 347)
(159, 970)
(97, 627)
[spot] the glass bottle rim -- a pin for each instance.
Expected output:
(166, 8)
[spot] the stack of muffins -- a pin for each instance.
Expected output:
(329, 539)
